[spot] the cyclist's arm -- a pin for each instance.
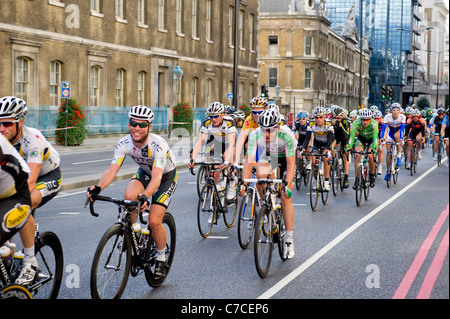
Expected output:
(375, 136)
(240, 142)
(290, 171)
(198, 145)
(33, 177)
(231, 144)
(383, 130)
(352, 136)
(307, 139)
(108, 176)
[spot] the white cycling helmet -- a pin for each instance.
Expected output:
(339, 111)
(141, 112)
(365, 114)
(396, 105)
(354, 113)
(269, 119)
(377, 114)
(416, 112)
(374, 108)
(273, 107)
(215, 108)
(319, 111)
(12, 107)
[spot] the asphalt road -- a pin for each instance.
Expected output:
(342, 251)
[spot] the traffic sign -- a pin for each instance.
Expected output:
(229, 96)
(65, 89)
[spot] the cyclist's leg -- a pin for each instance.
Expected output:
(136, 185)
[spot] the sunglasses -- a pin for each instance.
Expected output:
(214, 116)
(8, 123)
(257, 112)
(318, 117)
(365, 120)
(141, 124)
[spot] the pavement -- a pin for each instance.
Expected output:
(109, 141)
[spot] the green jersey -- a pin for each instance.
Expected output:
(366, 133)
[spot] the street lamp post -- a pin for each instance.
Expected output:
(437, 75)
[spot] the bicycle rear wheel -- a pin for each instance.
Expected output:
(206, 210)
(232, 205)
(335, 176)
(112, 264)
(49, 255)
(440, 150)
(314, 188)
(246, 221)
(298, 173)
(202, 177)
(263, 242)
(413, 160)
(169, 225)
(366, 185)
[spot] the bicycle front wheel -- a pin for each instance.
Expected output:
(231, 202)
(49, 255)
(206, 210)
(202, 177)
(111, 265)
(366, 185)
(169, 225)
(314, 188)
(359, 181)
(263, 242)
(246, 221)
(335, 177)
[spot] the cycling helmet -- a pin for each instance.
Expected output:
(377, 114)
(374, 108)
(141, 112)
(273, 107)
(440, 111)
(11, 106)
(215, 108)
(269, 119)
(416, 112)
(365, 114)
(353, 113)
(319, 111)
(227, 108)
(259, 102)
(408, 110)
(237, 114)
(396, 105)
(339, 111)
(302, 114)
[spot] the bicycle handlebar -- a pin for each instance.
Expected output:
(116, 201)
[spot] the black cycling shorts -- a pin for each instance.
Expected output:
(166, 189)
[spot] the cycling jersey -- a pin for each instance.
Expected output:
(34, 148)
(413, 128)
(15, 200)
(250, 123)
(301, 131)
(437, 121)
(154, 153)
(284, 145)
(13, 170)
(393, 125)
(342, 130)
(220, 133)
(368, 136)
(323, 135)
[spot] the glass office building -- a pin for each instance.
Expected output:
(390, 47)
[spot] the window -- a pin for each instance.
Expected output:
(208, 20)
(209, 91)
(241, 28)
(307, 78)
(55, 80)
(250, 31)
(230, 26)
(120, 9)
(95, 88)
(120, 77)
(95, 5)
(22, 80)
(141, 11)
(273, 77)
(161, 8)
(179, 16)
(141, 88)
(308, 45)
(273, 45)
(194, 19)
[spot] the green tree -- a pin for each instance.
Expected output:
(76, 123)
(422, 103)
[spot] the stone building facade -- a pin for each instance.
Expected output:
(311, 64)
(123, 52)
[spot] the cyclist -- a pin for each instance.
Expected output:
(277, 144)
(393, 130)
(219, 133)
(353, 115)
(258, 105)
(415, 133)
(299, 128)
(365, 133)
(322, 131)
(44, 181)
(156, 177)
(15, 199)
(445, 132)
(378, 117)
(436, 129)
(342, 125)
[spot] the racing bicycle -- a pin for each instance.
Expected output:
(362, 178)
(121, 252)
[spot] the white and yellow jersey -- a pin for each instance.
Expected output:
(220, 133)
(154, 153)
(13, 169)
(34, 148)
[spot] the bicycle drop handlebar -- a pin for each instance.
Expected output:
(116, 201)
